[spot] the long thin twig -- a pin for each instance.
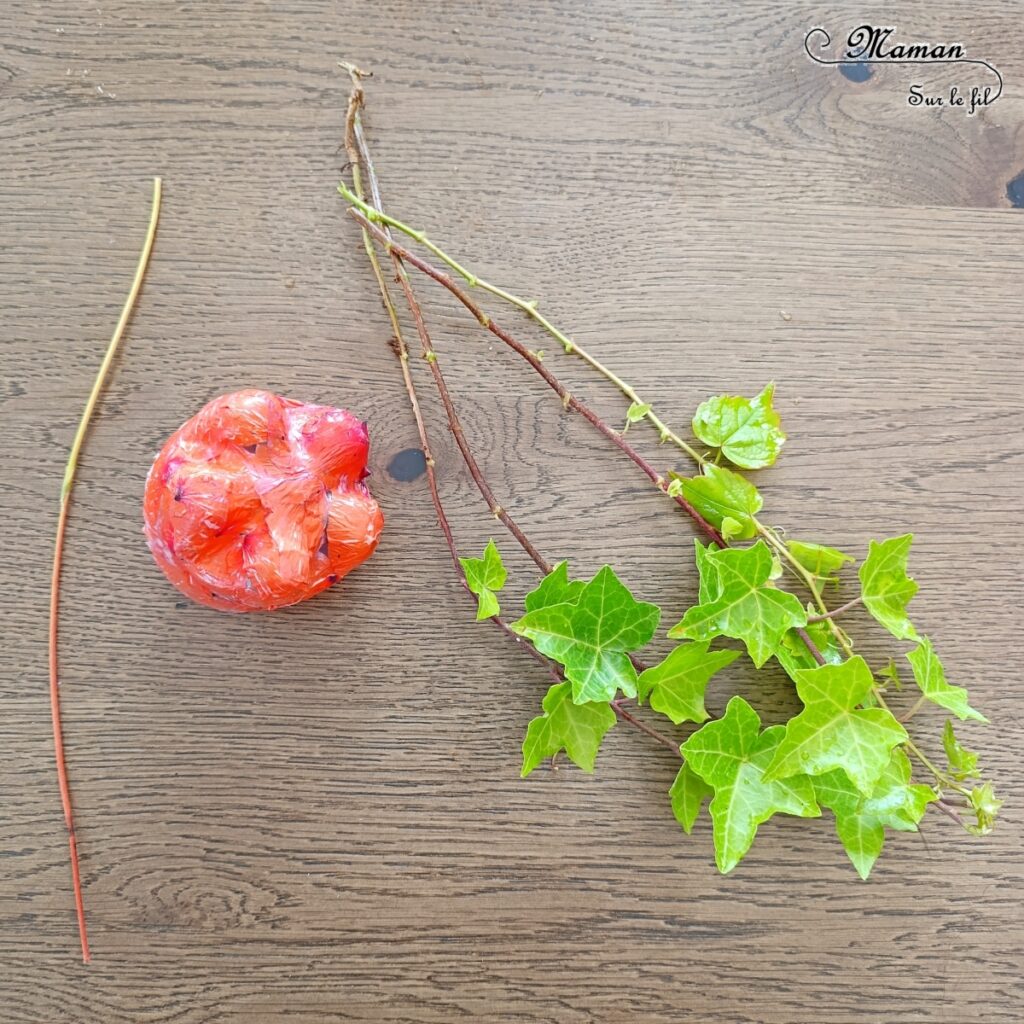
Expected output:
(58, 553)
(529, 307)
(355, 152)
(359, 157)
(569, 400)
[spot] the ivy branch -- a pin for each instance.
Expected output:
(846, 751)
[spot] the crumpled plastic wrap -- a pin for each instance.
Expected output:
(258, 502)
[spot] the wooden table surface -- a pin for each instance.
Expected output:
(316, 816)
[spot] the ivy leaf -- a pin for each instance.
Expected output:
(745, 429)
(575, 728)
(931, 678)
(483, 577)
(636, 412)
(745, 606)
(822, 562)
(894, 802)
(793, 655)
(731, 529)
(555, 588)
(885, 586)
(707, 571)
(730, 754)
(963, 763)
(591, 637)
(891, 674)
(985, 806)
(721, 494)
(832, 732)
(688, 793)
(676, 685)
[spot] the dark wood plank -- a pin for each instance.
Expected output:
(316, 816)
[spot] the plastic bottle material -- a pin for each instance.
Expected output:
(258, 502)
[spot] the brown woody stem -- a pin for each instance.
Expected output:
(355, 151)
(360, 160)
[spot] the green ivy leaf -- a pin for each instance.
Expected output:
(740, 602)
(555, 588)
(931, 678)
(592, 637)
(986, 807)
(747, 430)
(894, 802)
(688, 793)
(885, 586)
(731, 529)
(721, 494)
(963, 763)
(891, 674)
(730, 755)
(575, 728)
(636, 412)
(483, 577)
(820, 561)
(832, 732)
(676, 685)
(793, 655)
(707, 572)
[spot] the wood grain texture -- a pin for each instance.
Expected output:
(316, 816)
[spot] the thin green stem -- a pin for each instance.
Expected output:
(782, 550)
(918, 704)
(115, 341)
(529, 307)
(835, 612)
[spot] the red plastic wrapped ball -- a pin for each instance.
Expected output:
(258, 502)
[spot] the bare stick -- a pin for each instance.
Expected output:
(58, 553)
